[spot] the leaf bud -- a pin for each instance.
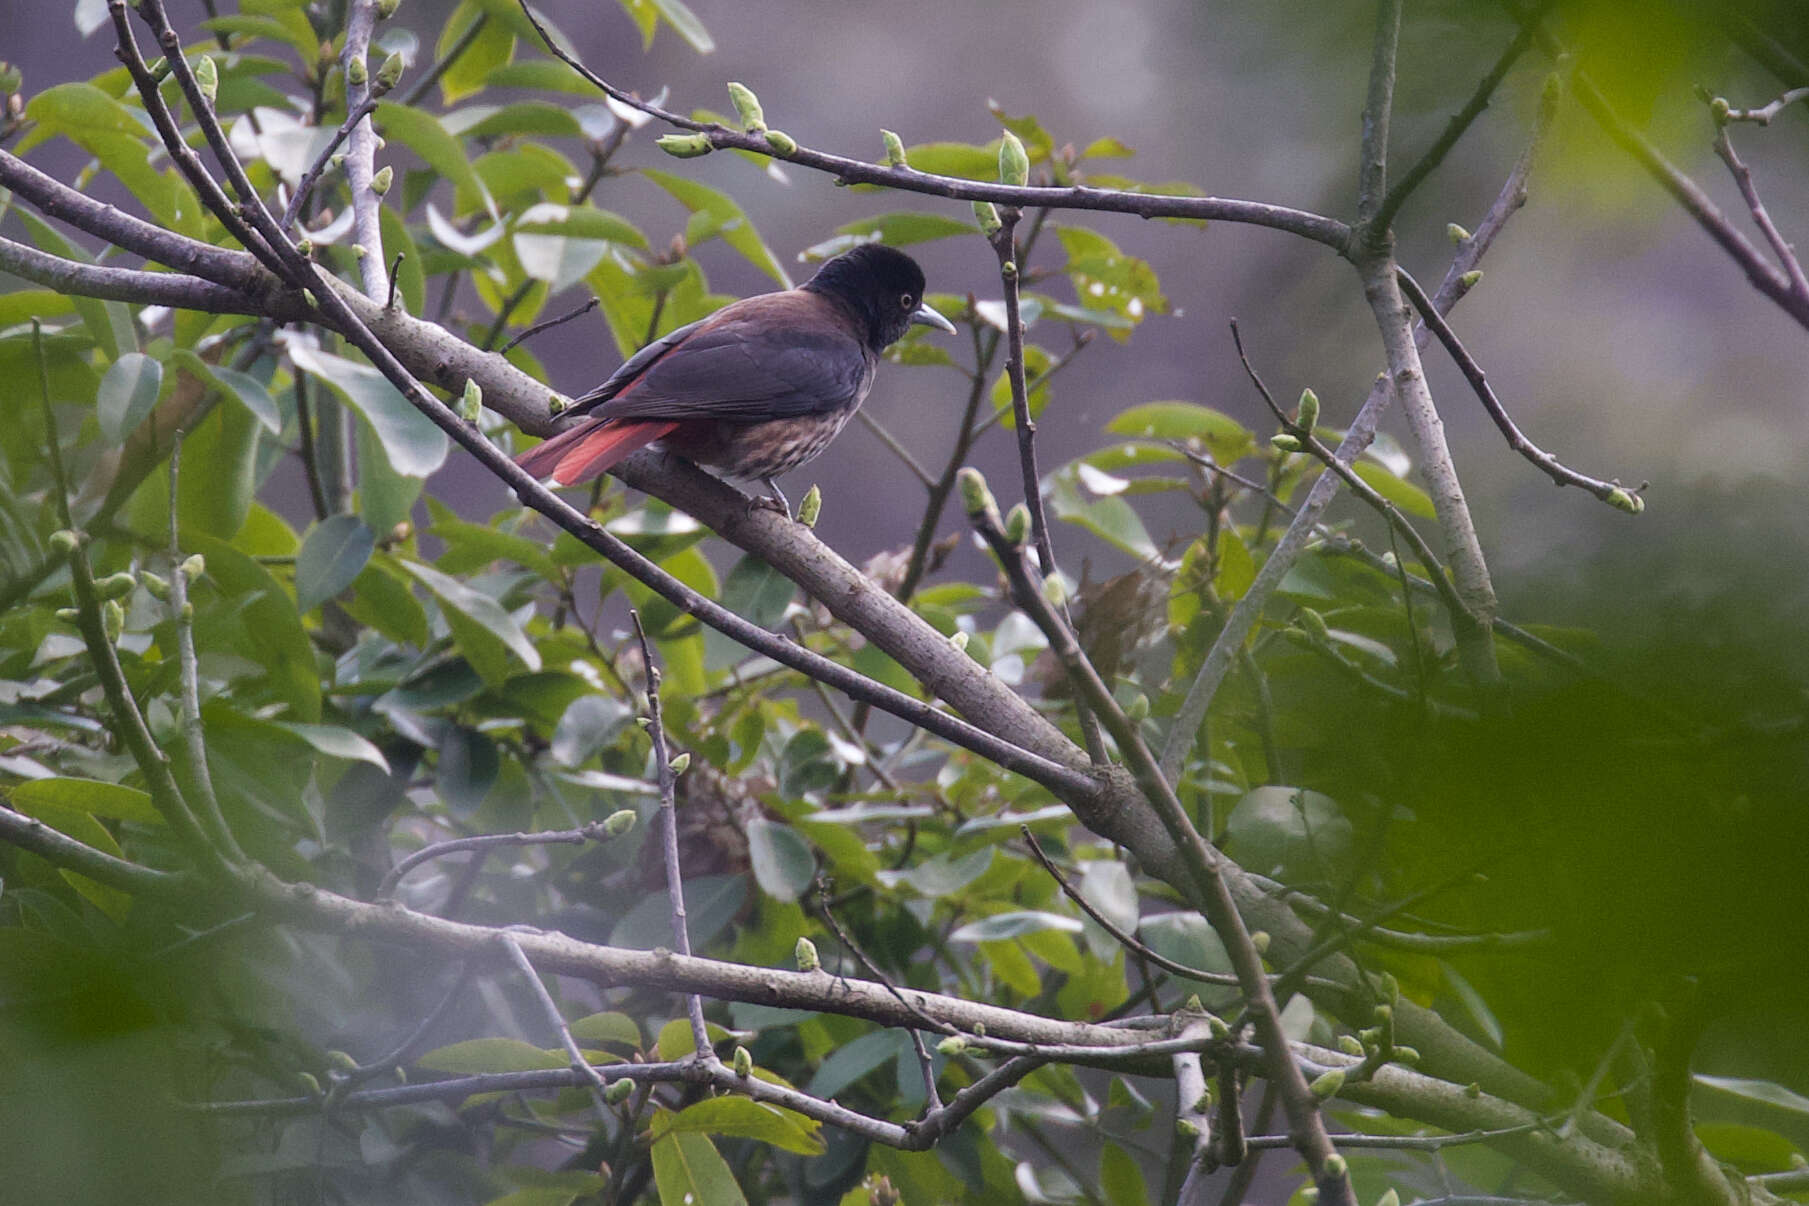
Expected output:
(747, 108)
(1186, 1128)
(987, 214)
(1137, 711)
(11, 78)
(1260, 940)
(1384, 1014)
(684, 146)
(1391, 988)
(744, 1062)
(1406, 1055)
(958, 639)
(1327, 1084)
(1719, 110)
(64, 541)
(954, 1044)
(1314, 623)
(1308, 1196)
(1216, 1027)
(781, 142)
(1193, 1004)
(70, 615)
(160, 70)
(356, 73)
(114, 586)
(1457, 234)
(1473, 1090)
(1471, 279)
(1307, 413)
(555, 405)
(207, 78)
(1622, 499)
(1336, 1166)
(360, 252)
(309, 1085)
(1390, 1198)
(1014, 164)
(471, 402)
(1017, 524)
(341, 1061)
(619, 822)
(193, 566)
(1283, 442)
(305, 245)
(113, 619)
(1055, 589)
(895, 152)
(387, 9)
(309, 300)
(1348, 1044)
(680, 763)
(618, 1090)
(388, 75)
(810, 507)
(805, 954)
(386, 175)
(975, 497)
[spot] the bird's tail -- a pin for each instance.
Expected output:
(591, 448)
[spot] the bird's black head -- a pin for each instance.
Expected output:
(882, 287)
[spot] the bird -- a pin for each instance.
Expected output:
(757, 388)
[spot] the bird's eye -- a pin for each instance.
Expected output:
(906, 301)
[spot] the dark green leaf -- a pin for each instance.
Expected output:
(331, 558)
(414, 446)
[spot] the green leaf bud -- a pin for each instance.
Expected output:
(1014, 164)
(1406, 1055)
(1216, 1027)
(895, 152)
(747, 108)
(1622, 499)
(618, 1090)
(160, 70)
(781, 142)
(975, 497)
(1260, 940)
(1457, 234)
(360, 252)
(556, 406)
(309, 1085)
(1327, 1084)
(680, 763)
(684, 146)
(1348, 1044)
(1284, 442)
(356, 73)
(386, 176)
(11, 78)
(805, 955)
(1309, 1196)
(1391, 988)
(744, 1062)
(1138, 709)
(1055, 589)
(1336, 1166)
(1193, 1004)
(193, 566)
(1186, 1128)
(113, 619)
(958, 640)
(309, 300)
(387, 9)
(388, 75)
(115, 586)
(1307, 414)
(207, 78)
(471, 402)
(64, 541)
(1384, 1014)
(340, 1061)
(305, 245)
(1473, 1090)
(1009, 270)
(954, 1044)
(619, 822)
(810, 507)
(1017, 524)
(1471, 279)
(1719, 110)
(987, 214)
(1390, 1198)
(69, 615)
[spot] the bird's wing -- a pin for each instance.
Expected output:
(749, 368)
(634, 366)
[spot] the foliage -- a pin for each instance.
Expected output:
(380, 673)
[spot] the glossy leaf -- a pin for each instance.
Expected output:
(414, 446)
(332, 556)
(784, 864)
(128, 390)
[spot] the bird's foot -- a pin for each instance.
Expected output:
(775, 501)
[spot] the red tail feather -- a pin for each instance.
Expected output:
(583, 452)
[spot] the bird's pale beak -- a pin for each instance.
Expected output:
(923, 316)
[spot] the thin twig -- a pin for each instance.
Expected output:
(580, 1065)
(1761, 217)
(549, 324)
(595, 831)
(1319, 229)
(1609, 492)
(305, 185)
(668, 781)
